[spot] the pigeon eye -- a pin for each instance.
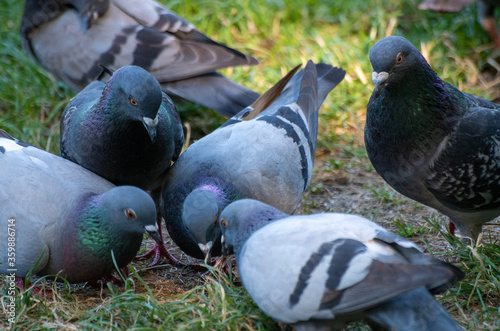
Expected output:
(399, 58)
(216, 221)
(130, 213)
(133, 102)
(224, 223)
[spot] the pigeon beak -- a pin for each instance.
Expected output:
(380, 81)
(152, 231)
(223, 242)
(205, 248)
(150, 125)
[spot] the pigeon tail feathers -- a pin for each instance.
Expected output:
(414, 310)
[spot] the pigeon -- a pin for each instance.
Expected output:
(65, 219)
(485, 13)
(445, 6)
(430, 141)
(127, 131)
(73, 39)
(265, 152)
(320, 271)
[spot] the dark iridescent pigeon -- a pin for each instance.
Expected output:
(73, 217)
(430, 141)
(266, 152)
(127, 130)
(73, 38)
(317, 272)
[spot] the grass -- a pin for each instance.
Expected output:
(215, 305)
(409, 229)
(481, 263)
(280, 34)
(385, 195)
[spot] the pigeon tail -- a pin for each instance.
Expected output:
(314, 87)
(271, 95)
(414, 310)
(308, 88)
(328, 78)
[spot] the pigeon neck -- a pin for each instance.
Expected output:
(95, 235)
(415, 115)
(201, 210)
(216, 190)
(259, 219)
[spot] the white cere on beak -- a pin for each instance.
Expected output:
(151, 122)
(151, 228)
(379, 77)
(205, 248)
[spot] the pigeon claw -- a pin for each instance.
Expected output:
(21, 284)
(158, 251)
(452, 228)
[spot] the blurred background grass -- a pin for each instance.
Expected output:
(281, 34)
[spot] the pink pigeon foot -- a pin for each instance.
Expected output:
(21, 284)
(111, 279)
(158, 251)
(452, 228)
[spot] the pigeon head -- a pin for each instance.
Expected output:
(137, 95)
(200, 214)
(395, 60)
(129, 209)
(242, 218)
(105, 225)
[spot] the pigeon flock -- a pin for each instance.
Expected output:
(122, 170)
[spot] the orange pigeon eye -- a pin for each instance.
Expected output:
(224, 223)
(133, 102)
(399, 58)
(130, 213)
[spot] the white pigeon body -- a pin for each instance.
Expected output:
(281, 281)
(318, 272)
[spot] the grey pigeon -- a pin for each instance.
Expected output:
(317, 272)
(266, 152)
(66, 216)
(73, 38)
(127, 131)
(431, 142)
